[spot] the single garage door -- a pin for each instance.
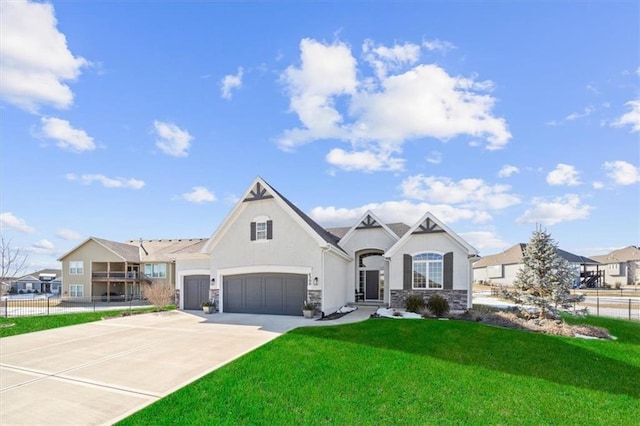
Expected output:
(277, 294)
(196, 290)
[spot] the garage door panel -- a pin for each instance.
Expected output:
(274, 292)
(196, 290)
(280, 294)
(295, 294)
(253, 293)
(233, 299)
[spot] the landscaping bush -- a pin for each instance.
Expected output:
(414, 303)
(438, 305)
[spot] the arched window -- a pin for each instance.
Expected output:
(428, 271)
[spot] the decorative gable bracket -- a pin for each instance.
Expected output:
(258, 193)
(368, 223)
(428, 227)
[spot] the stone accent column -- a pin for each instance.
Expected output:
(214, 294)
(457, 298)
(176, 297)
(315, 297)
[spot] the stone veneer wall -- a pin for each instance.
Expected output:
(176, 297)
(214, 294)
(315, 297)
(457, 298)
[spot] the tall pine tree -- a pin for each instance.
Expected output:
(545, 278)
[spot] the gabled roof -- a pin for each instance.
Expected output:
(626, 254)
(261, 190)
(430, 224)
(514, 254)
(126, 252)
(368, 221)
(35, 276)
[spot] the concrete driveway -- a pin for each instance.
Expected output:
(101, 372)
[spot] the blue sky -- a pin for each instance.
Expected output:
(149, 119)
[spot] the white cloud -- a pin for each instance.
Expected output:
(574, 116)
(326, 71)
(172, 140)
(473, 193)
(230, 82)
(631, 118)
(383, 59)
(36, 61)
(436, 44)
(507, 170)
(379, 114)
(199, 194)
(107, 182)
(483, 240)
(563, 174)
(621, 172)
(67, 137)
(366, 161)
(560, 209)
(396, 211)
(9, 220)
(597, 185)
(68, 234)
(435, 157)
(41, 247)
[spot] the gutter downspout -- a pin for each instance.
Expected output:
(324, 249)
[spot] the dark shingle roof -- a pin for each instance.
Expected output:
(326, 235)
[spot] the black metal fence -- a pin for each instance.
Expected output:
(615, 307)
(50, 305)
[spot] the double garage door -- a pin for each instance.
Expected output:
(277, 294)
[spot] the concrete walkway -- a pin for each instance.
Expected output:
(99, 373)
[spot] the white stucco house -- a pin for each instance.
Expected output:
(267, 256)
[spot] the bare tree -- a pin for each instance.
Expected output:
(14, 259)
(160, 294)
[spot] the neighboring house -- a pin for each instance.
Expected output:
(267, 256)
(621, 266)
(44, 281)
(114, 270)
(501, 268)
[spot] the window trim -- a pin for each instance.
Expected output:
(261, 230)
(155, 274)
(73, 267)
(427, 262)
(76, 287)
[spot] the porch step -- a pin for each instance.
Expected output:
(375, 303)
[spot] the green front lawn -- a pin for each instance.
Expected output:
(21, 325)
(417, 372)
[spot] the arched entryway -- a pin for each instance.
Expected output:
(370, 276)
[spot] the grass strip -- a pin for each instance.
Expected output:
(22, 325)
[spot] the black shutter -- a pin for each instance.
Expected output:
(269, 230)
(407, 272)
(253, 231)
(448, 270)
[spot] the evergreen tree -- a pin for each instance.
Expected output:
(545, 279)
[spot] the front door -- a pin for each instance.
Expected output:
(372, 285)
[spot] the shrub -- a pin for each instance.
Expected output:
(414, 303)
(480, 312)
(618, 285)
(438, 305)
(426, 313)
(160, 294)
